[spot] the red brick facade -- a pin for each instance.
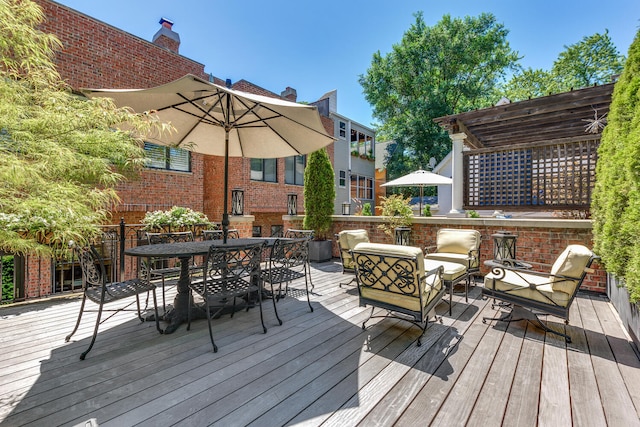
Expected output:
(97, 55)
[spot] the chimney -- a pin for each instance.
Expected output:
(290, 94)
(166, 37)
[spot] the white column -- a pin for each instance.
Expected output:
(457, 187)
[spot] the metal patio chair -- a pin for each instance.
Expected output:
(229, 272)
(288, 260)
(98, 289)
(165, 268)
(529, 293)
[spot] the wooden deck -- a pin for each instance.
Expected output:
(319, 368)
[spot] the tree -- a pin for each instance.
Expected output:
(434, 71)
(60, 157)
(616, 197)
(527, 84)
(319, 193)
(592, 61)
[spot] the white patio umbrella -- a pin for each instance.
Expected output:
(219, 121)
(419, 178)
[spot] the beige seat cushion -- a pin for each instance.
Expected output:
(571, 263)
(452, 271)
(387, 277)
(461, 259)
(518, 283)
(348, 240)
(455, 241)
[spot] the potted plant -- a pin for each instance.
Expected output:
(178, 218)
(319, 195)
(397, 214)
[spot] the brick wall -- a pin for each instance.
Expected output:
(37, 277)
(97, 55)
(537, 240)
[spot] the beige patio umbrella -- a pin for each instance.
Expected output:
(215, 120)
(419, 178)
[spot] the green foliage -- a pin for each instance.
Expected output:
(528, 84)
(426, 210)
(615, 204)
(319, 194)
(593, 60)
(451, 67)
(396, 211)
(366, 209)
(7, 278)
(60, 157)
(473, 214)
(176, 217)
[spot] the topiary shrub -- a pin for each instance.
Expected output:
(366, 210)
(615, 204)
(319, 194)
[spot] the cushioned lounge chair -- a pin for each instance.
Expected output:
(347, 240)
(459, 246)
(393, 277)
(531, 293)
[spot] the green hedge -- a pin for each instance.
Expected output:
(616, 198)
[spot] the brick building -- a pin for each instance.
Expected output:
(98, 55)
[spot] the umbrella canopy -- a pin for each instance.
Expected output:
(419, 178)
(215, 120)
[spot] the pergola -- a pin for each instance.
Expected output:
(534, 155)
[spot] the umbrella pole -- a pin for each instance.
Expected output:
(225, 212)
(421, 189)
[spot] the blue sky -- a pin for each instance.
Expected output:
(316, 47)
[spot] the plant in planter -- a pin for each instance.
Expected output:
(176, 219)
(319, 195)
(366, 209)
(397, 213)
(615, 206)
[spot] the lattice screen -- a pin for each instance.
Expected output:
(545, 176)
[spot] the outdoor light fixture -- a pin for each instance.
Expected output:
(346, 208)
(504, 245)
(402, 235)
(292, 204)
(237, 202)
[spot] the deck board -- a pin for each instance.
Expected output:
(319, 368)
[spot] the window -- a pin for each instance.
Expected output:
(294, 170)
(361, 187)
(264, 170)
(343, 130)
(361, 144)
(169, 158)
(342, 179)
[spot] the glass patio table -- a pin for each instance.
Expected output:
(184, 251)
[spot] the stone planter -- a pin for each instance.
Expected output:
(320, 250)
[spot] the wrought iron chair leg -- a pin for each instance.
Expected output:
(307, 288)
(95, 334)
(264, 328)
(520, 313)
(215, 347)
(369, 318)
(275, 309)
(84, 298)
(346, 283)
